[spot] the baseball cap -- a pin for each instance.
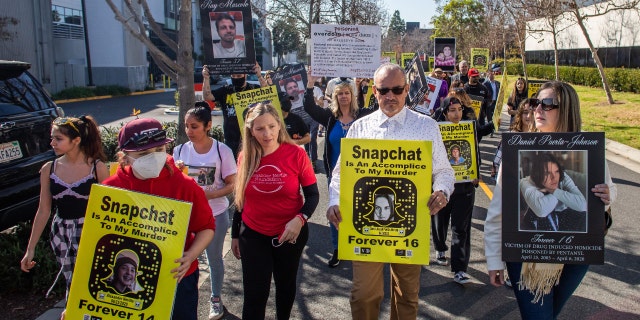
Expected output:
(473, 72)
(142, 134)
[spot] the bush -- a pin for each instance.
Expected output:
(12, 247)
(86, 92)
(112, 91)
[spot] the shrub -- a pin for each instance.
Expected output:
(86, 92)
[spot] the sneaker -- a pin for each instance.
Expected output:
(334, 261)
(441, 259)
(461, 277)
(216, 311)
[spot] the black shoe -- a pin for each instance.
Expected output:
(334, 261)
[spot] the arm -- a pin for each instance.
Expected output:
(570, 195)
(541, 204)
(206, 85)
(493, 235)
(200, 242)
(302, 141)
(229, 181)
(258, 71)
(607, 191)
(40, 220)
(443, 174)
(102, 172)
(333, 212)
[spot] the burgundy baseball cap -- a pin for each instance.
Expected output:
(142, 134)
(473, 72)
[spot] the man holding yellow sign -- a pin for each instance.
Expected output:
(392, 122)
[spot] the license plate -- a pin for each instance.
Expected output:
(10, 151)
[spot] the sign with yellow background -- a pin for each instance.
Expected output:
(129, 243)
(533, 86)
(480, 59)
(476, 104)
(243, 101)
(497, 113)
(391, 55)
(460, 141)
(406, 58)
(384, 189)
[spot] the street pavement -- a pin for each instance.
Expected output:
(609, 291)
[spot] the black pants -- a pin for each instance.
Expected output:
(459, 210)
(260, 260)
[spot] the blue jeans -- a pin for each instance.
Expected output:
(551, 304)
(185, 304)
(214, 253)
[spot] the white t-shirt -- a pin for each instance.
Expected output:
(209, 169)
(236, 52)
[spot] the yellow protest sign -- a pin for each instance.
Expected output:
(533, 86)
(476, 104)
(480, 59)
(384, 190)
(391, 55)
(244, 100)
(460, 141)
(129, 243)
(406, 58)
(500, 102)
(369, 98)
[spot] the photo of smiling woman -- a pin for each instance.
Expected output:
(555, 201)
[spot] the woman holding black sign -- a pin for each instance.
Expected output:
(557, 109)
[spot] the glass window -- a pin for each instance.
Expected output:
(61, 14)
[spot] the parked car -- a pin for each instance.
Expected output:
(26, 113)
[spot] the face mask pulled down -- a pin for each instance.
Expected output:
(149, 166)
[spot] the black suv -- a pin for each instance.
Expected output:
(26, 113)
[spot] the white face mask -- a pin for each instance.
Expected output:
(150, 165)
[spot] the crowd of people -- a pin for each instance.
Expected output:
(262, 177)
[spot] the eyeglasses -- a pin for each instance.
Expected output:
(144, 138)
(395, 90)
(546, 103)
(64, 122)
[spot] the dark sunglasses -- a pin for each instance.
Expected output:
(140, 140)
(395, 90)
(66, 122)
(546, 103)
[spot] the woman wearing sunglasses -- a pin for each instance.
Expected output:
(146, 167)
(269, 229)
(342, 112)
(64, 189)
(556, 109)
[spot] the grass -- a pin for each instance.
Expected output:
(620, 121)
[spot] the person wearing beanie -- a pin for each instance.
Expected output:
(145, 166)
(125, 271)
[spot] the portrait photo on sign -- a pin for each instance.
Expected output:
(553, 191)
(417, 82)
(458, 152)
(227, 34)
(293, 86)
(384, 202)
(444, 53)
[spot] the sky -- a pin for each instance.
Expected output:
(413, 10)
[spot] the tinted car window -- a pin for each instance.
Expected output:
(21, 94)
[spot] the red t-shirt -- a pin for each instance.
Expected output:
(273, 197)
(174, 185)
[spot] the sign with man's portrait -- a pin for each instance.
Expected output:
(384, 190)
(549, 213)
(227, 29)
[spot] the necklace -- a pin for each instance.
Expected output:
(345, 127)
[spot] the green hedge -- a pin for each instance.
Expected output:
(86, 92)
(620, 79)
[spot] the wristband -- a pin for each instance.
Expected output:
(299, 215)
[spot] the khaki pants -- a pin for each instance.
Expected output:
(367, 291)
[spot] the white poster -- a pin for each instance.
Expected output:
(426, 107)
(345, 50)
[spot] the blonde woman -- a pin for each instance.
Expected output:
(269, 228)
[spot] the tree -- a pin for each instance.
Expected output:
(463, 20)
(133, 19)
(397, 26)
(285, 38)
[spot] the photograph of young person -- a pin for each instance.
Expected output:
(383, 206)
(445, 56)
(554, 201)
(229, 46)
(123, 278)
(454, 155)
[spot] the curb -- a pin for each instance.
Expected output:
(623, 155)
(137, 93)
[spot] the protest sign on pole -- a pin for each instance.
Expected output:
(384, 190)
(480, 59)
(445, 54)
(476, 104)
(497, 113)
(533, 86)
(430, 97)
(390, 55)
(227, 34)
(406, 59)
(126, 227)
(345, 50)
(549, 213)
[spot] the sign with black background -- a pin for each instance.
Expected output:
(570, 236)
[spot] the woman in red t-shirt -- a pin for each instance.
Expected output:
(269, 229)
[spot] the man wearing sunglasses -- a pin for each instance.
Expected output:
(393, 121)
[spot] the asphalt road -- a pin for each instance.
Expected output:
(609, 291)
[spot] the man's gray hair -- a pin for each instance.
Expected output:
(391, 68)
(463, 62)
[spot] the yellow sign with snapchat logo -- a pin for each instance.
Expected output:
(130, 241)
(384, 189)
(245, 100)
(460, 141)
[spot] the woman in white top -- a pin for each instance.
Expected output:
(213, 166)
(556, 109)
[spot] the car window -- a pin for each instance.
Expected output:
(21, 94)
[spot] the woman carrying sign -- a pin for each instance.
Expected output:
(542, 288)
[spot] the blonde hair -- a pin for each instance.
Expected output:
(462, 96)
(335, 106)
(251, 150)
